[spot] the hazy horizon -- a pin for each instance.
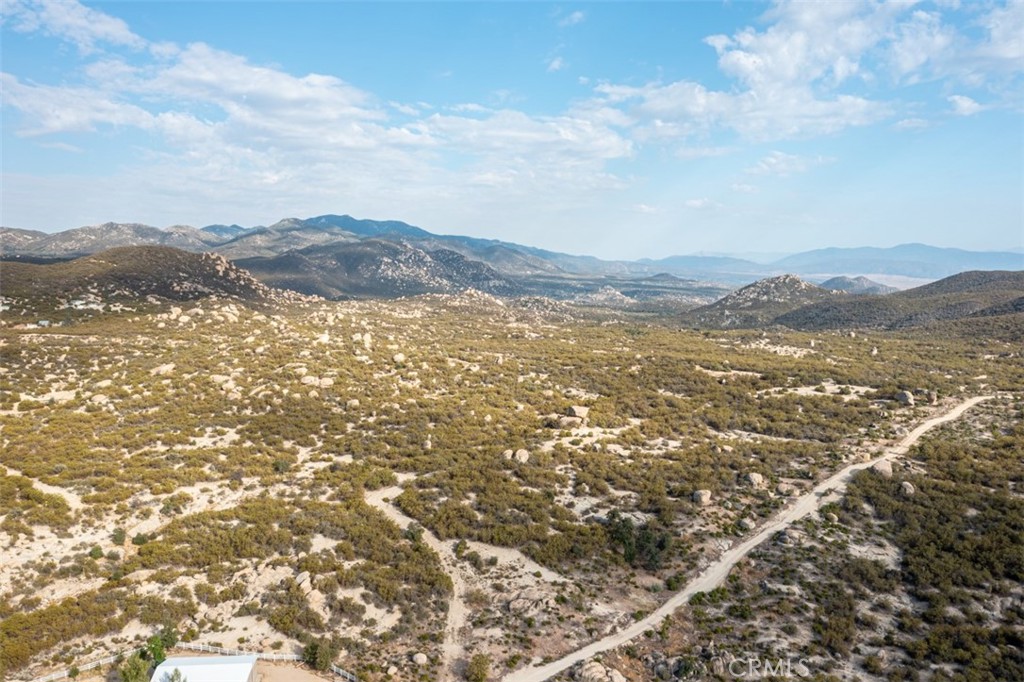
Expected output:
(616, 130)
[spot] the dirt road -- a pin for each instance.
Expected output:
(715, 574)
(451, 648)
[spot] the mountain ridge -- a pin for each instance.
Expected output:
(509, 260)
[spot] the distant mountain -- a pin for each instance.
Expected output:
(368, 228)
(909, 260)
(13, 240)
(135, 272)
(857, 285)
(290, 234)
(976, 293)
(760, 303)
(509, 260)
(96, 238)
(226, 232)
(377, 268)
(701, 266)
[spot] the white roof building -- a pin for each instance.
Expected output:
(208, 668)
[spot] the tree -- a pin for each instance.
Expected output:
(479, 668)
(135, 669)
(156, 649)
(175, 676)
(320, 653)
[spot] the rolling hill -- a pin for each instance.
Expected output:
(377, 268)
(760, 304)
(135, 272)
(967, 294)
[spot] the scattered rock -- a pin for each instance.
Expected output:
(747, 524)
(522, 456)
(883, 468)
(907, 489)
(399, 358)
(755, 479)
(785, 489)
(162, 370)
(392, 670)
(570, 422)
(831, 518)
(528, 602)
(702, 497)
(420, 658)
(578, 411)
(905, 398)
(595, 671)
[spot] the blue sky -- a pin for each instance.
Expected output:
(621, 130)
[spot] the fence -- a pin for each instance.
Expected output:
(64, 674)
(340, 672)
(82, 668)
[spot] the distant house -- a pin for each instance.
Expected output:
(208, 669)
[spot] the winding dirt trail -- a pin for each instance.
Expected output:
(716, 573)
(458, 613)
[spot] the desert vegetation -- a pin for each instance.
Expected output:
(206, 466)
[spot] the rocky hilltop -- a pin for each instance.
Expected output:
(857, 285)
(760, 303)
(130, 274)
(968, 294)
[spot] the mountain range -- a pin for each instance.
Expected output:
(338, 256)
(993, 300)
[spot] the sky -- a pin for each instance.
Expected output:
(620, 130)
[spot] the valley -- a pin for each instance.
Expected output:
(425, 484)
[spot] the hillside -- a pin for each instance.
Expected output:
(857, 285)
(760, 303)
(130, 273)
(953, 298)
(375, 268)
(96, 238)
(13, 240)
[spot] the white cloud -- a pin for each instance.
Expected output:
(782, 164)
(645, 209)
(964, 106)
(71, 21)
(922, 40)
(1005, 26)
(56, 109)
(743, 188)
(789, 77)
(701, 204)
(406, 109)
(556, 64)
(912, 124)
(572, 19)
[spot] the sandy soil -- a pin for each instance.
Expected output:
(279, 671)
(73, 500)
(717, 572)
